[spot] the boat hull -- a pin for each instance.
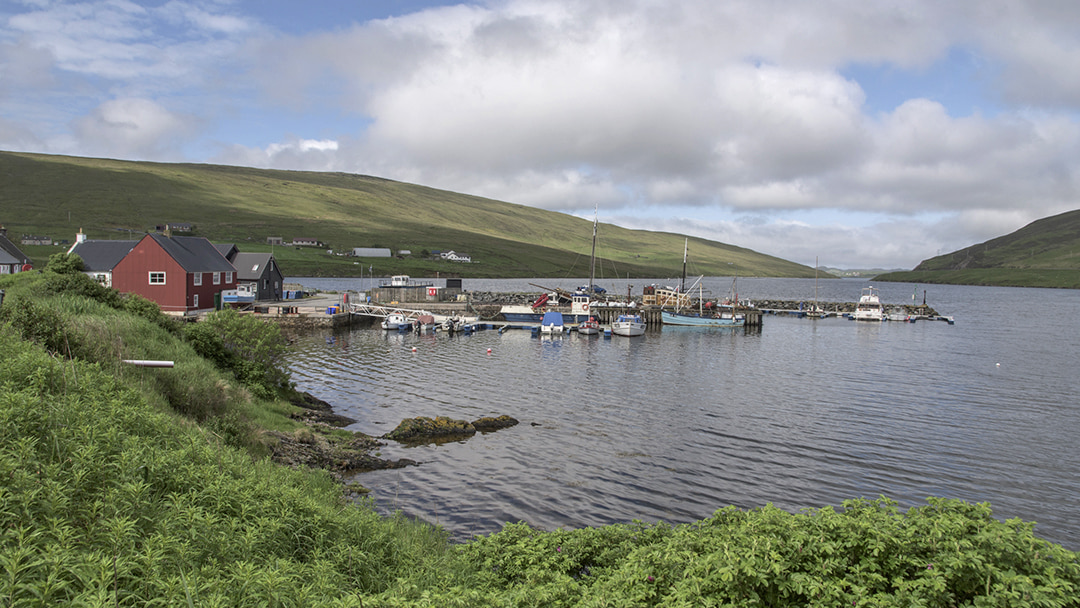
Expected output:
(672, 318)
(628, 325)
(525, 314)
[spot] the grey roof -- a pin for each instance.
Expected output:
(193, 253)
(10, 254)
(226, 249)
(102, 256)
(250, 266)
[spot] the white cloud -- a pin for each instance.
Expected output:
(718, 112)
(133, 128)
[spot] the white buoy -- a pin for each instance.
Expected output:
(489, 351)
(997, 364)
(414, 349)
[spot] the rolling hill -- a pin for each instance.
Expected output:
(109, 199)
(1045, 253)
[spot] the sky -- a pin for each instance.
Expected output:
(847, 133)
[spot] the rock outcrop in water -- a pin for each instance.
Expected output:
(423, 429)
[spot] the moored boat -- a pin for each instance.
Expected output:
(425, 324)
(869, 306)
(724, 318)
(552, 323)
(394, 321)
(628, 325)
(589, 327)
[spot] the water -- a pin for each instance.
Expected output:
(681, 422)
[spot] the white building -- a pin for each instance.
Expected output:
(453, 256)
(370, 252)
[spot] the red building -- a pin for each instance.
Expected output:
(183, 274)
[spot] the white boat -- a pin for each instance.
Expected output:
(869, 306)
(816, 311)
(552, 323)
(394, 321)
(628, 325)
(589, 327)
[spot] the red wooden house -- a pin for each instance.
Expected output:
(183, 274)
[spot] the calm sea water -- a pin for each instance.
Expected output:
(681, 422)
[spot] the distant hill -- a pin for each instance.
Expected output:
(1045, 253)
(58, 195)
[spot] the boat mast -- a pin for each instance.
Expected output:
(686, 244)
(815, 284)
(592, 258)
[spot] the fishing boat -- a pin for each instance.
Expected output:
(869, 306)
(722, 316)
(628, 325)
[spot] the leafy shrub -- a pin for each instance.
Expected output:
(65, 263)
(252, 350)
(149, 310)
(78, 284)
(37, 324)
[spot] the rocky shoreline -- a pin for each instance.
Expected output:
(322, 443)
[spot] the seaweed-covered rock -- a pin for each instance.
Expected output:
(423, 428)
(488, 424)
(316, 410)
(312, 447)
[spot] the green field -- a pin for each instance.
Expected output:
(56, 196)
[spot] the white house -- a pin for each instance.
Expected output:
(453, 256)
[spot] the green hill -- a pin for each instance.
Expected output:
(1045, 253)
(57, 195)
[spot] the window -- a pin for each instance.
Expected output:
(228, 276)
(217, 278)
(198, 279)
(195, 301)
(157, 278)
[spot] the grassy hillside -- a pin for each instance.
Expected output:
(56, 196)
(1045, 253)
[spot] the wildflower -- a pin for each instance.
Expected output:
(650, 578)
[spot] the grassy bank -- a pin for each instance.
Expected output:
(127, 486)
(1002, 277)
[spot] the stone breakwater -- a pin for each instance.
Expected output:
(495, 299)
(840, 308)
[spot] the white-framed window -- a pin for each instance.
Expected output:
(228, 277)
(217, 278)
(157, 277)
(198, 278)
(195, 301)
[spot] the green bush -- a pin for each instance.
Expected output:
(38, 324)
(65, 263)
(254, 351)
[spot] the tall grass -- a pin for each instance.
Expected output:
(109, 500)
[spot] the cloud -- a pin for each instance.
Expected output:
(736, 115)
(133, 128)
